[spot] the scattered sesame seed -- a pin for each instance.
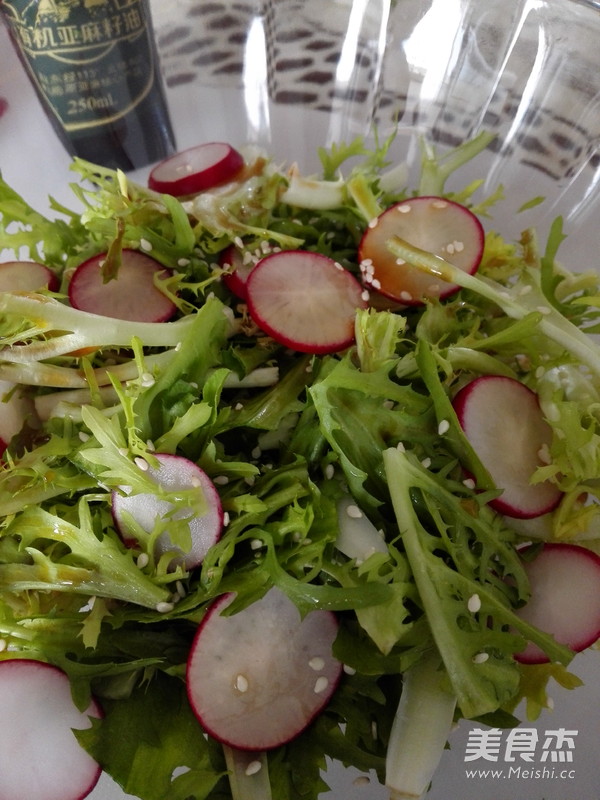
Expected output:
(544, 310)
(480, 658)
(449, 248)
(239, 406)
(317, 663)
(338, 266)
(147, 379)
(458, 246)
(145, 245)
(150, 445)
(178, 347)
(247, 257)
(362, 780)
(349, 670)
(256, 453)
(474, 603)
(404, 208)
(238, 242)
(539, 373)
(400, 261)
(180, 588)
(142, 560)
(406, 296)
(183, 262)
(265, 247)
(439, 204)
(225, 519)
(221, 480)
(544, 454)
(329, 471)
(443, 427)
(552, 413)
(141, 463)
(426, 462)
(241, 683)
(550, 703)
(400, 447)
(83, 436)
(164, 608)
(354, 512)
(250, 480)
(374, 729)
(365, 295)
(308, 368)
(374, 222)
(256, 544)
(253, 767)
(321, 684)
(469, 483)
(3, 645)
(123, 451)
(376, 284)
(525, 289)
(389, 404)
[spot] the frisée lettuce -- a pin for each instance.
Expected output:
(285, 436)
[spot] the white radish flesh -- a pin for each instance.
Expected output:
(433, 224)
(357, 538)
(564, 582)
(173, 473)
(131, 295)
(305, 301)
(196, 170)
(40, 758)
(504, 424)
(257, 678)
(26, 276)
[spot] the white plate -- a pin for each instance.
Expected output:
(34, 162)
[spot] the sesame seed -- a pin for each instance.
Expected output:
(480, 658)
(123, 451)
(150, 445)
(225, 519)
(238, 406)
(458, 246)
(362, 780)
(83, 436)
(450, 249)
(238, 242)
(142, 560)
(147, 379)
(525, 289)
(365, 295)
(141, 463)
(250, 480)
(400, 261)
(550, 703)
(256, 453)
(404, 208)
(349, 670)
(443, 427)
(366, 262)
(247, 257)
(354, 512)
(180, 588)
(256, 544)
(474, 603)
(544, 454)
(338, 266)
(552, 413)
(469, 483)
(316, 663)
(221, 480)
(3, 645)
(544, 310)
(389, 404)
(406, 296)
(145, 245)
(253, 767)
(178, 347)
(183, 262)
(426, 462)
(439, 204)
(539, 373)
(265, 247)
(164, 608)
(308, 368)
(241, 683)
(329, 471)
(400, 447)
(321, 684)
(376, 284)
(374, 222)
(374, 729)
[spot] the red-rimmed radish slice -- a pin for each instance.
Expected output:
(257, 678)
(305, 301)
(40, 758)
(504, 424)
(434, 224)
(26, 276)
(564, 580)
(173, 473)
(236, 278)
(132, 295)
(196, 170)
(15, 409)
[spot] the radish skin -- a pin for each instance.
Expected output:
(40, 758)
(565, 597)
(257, 678)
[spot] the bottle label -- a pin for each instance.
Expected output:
(91, 59)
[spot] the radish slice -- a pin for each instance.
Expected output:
(196, 169)
(26, 276)
(257, 678)
(132, 295)
(305, 301)
(565, 598)
(15, 409)
(434, 224)
(40, 758)
(235, 280)
(173, 473)
(503, 422)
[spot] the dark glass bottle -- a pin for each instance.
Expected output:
(94, 66)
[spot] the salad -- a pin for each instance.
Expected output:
(290, 468)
